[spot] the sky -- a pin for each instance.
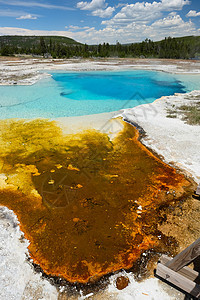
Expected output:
(99, 21)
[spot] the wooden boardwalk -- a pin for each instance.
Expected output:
(176, 271)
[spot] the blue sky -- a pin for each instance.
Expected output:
(98, 21)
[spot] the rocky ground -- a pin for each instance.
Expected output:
(28, 71)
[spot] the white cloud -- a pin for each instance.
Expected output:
(10, 13)
(174, 4)
(172, 25)
(138, 12)
(35, 4)
(93, 5)
(104, 13)
(24, 31)
(27, 17)
(170, 22)
(193, 13)
(133, 23)
(121, 5)
(144, 12)
(75, 28)
(99, 8)
(172, 14)
(20, 15)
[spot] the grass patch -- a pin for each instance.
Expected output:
(192, 97)
(171, 113)
(172, 116)
(191, 113)
(185, 107)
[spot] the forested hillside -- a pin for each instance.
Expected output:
(62, 47)
(37, 45)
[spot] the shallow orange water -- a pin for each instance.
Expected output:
(92, 212)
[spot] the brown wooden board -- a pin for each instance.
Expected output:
(185, 271)
(185, 257)
(178, 280)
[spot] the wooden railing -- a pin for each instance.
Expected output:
(176, 271)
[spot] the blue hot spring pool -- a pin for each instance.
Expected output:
(67, 94)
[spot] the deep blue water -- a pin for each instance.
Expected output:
(83, 93)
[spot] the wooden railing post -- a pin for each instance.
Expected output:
(185, 257)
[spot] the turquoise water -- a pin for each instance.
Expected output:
(83, 93)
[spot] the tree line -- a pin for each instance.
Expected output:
(175, 48)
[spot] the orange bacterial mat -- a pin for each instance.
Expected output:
(87, 205)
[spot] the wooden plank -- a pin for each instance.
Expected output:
(185, 257)
(198, 190)
(185, 271)
(178, 280)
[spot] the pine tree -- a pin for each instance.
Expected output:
(43, 48)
